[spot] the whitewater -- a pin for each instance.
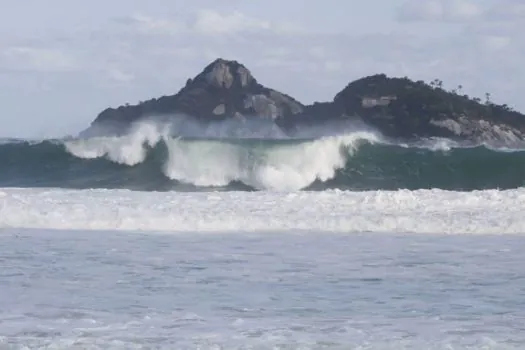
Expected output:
(239, 236)
(160, 156)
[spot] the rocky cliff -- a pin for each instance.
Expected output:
(398, 107)
(403, 108)
(224, 89)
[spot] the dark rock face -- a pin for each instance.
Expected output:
(224, 89)
(403, 108)
(397, 107)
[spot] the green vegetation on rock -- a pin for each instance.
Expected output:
(398, 107)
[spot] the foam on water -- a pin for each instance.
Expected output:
(152, 155)
(422, 211)
(284, 167)
(217, 163)
(67, 285)
(108, 290)
(129, 149)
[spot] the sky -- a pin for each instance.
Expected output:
(64, 61)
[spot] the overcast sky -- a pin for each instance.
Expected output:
(63, 61)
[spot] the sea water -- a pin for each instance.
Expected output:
(99, 269)
(267, 290)
(215, 239)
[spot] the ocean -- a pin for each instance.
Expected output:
(340, 240)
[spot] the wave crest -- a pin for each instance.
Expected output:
(284, 164)
(288, 166)
(157, 156)
(128, 149)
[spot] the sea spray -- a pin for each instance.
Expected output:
(274, 165)
(166, 156)
(128, 149)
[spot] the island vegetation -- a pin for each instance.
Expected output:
(398, 107)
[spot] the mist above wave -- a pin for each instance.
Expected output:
(208, 155)
(239, 128)
(258, 154)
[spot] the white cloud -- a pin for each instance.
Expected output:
(149, 24)
(506, 11)
(495, 42)
(462, 10)
(318, 52)
(37, 59)
(142, 56)
(333, 66)
(419, 10)
(439, 10)
(206, 22)
(213, 22)
(120, 76)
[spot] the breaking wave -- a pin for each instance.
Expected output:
(149, 157)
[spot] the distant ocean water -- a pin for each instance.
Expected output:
(154, 240)
(149, 160)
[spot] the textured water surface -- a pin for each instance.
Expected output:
(279, 290)
(149, 160)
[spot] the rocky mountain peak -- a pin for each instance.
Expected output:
(397, 107)
(223, 73)
(223, 89)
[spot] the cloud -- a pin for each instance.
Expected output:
(495, 42)
(439, 10)
(420, 11)
(206, 22)
(140, 56)
(213, 22)
(119, 76)
(460, 11)
(315, 66)
(148, 24)
(27, 58)
(506, 11)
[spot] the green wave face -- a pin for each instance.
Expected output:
(351, 162)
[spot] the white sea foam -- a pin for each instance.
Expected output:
(423, 211)
(283, 167)
(129, 149)
(434, 144)
(206, 162)
(216, 154)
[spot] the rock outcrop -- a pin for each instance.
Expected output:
(398, 107)
(403, 108)
(224, 89)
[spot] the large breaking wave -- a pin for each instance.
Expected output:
(152, 157)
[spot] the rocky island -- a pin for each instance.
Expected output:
(397, 107)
